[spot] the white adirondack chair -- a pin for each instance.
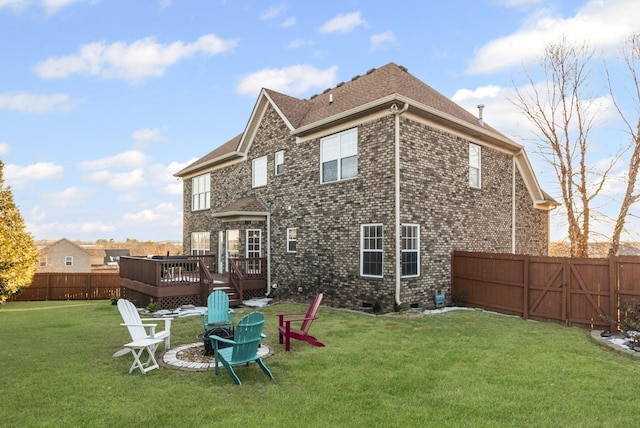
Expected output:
(138, 329)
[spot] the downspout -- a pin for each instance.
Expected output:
(268, 253)
(513, 206)
(394, 110)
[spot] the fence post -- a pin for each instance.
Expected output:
(47, 287)
(613, 293)
(566, 309)
(525, 287)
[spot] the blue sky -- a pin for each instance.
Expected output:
(102, 101)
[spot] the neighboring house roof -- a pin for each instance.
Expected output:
(112, 255)
(58, 242)
(376, 91)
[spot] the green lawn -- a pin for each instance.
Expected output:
(461, 368)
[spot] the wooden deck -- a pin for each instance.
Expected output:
(175, 281)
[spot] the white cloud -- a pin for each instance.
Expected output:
(490, 91)
(273, 12)
(37, 213)
(16, 5)
(500, 113)
(17, 176)
(121, 181)
(167, 207)
(163, 214)
(289, 22)
(145, 137)
(129, 159)
(381, 39)
(5, 148)
(33, 103)
(56, 230)
(50, 6)
(141, 216)
(54, 6)
(133, 62)
(298, 43)
(293, 80)
(343, 23)
(601, 24)
(69, 197)
(162, 177)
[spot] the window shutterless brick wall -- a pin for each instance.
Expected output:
(435, 194)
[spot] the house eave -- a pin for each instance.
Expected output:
(431, 113)
(208, 165)
(228, 216)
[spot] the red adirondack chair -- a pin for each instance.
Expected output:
(287, 333)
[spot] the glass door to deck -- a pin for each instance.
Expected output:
(254, 250)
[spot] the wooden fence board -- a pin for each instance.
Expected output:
(581, 292)
(71, 286)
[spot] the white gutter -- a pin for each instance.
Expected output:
(268, 253)
(394, 110)
(513, 205)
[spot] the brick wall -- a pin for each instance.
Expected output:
(434, 194)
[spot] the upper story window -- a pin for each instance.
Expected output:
(410, 250)
(475, 171)
(339, 156)
(201, 192)
(259, 172)
(371, 250)
(68, 261)
(292, 239)
(200, 243)
(43, 261)
(279, 162)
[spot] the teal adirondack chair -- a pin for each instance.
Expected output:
(244, 349)
(218, 313)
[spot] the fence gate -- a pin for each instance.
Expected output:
(581, 292)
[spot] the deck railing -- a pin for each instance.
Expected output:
(166, 271)
(180, 280)
(248, 275)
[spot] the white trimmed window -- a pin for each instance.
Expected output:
(371, 250)
(259, 172)
(339, 156)
(279, 162)
(201, 192)
(410, 250)
(200, 243)
(43, 261)
(68, 261)
(292, 239)
(475, 176)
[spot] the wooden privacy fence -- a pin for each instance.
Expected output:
(71, 286)
(580, 292)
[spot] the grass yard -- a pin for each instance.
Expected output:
(461, 368)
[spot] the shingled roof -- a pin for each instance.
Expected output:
(388, 82)
(377, 83)
(250, 205)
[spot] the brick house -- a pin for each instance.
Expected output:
(362, 192)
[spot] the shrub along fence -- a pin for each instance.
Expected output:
(71, 286)
(581, 292)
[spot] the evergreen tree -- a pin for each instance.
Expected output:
(18, 252)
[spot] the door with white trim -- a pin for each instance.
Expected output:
(233, 246)
(254, 250)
